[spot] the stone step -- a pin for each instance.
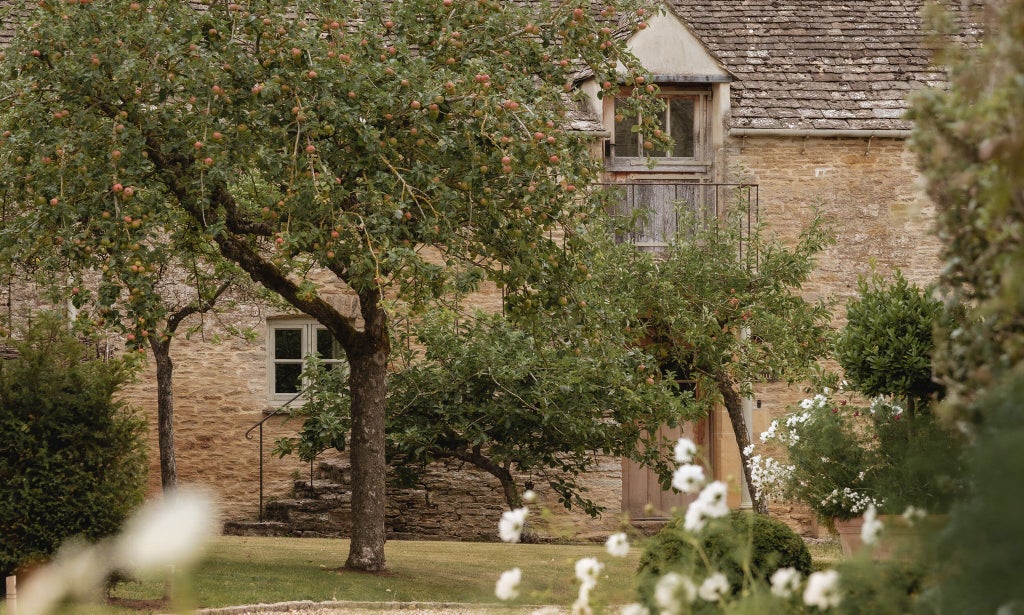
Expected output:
(281, 509)
(334, 470)
(319, 489)
(257, 528)
(277, 529)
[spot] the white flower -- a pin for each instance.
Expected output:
(913, 514)
(78, 571)
(685, 450)
(748, 450)
(822, 590)
(667, 592)
(785, 581)
(529, 496)
(770, 477)
(806, 404)
(169, 532)
(872, 528)
(710, 504)
(507, 587)
(688, 478)
(714, 587)
(510, 528)
(617, 545)
(634, 608)
(587, 570)
(713, 498)
(694, 519)
(582, 604)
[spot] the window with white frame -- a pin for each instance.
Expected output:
(686, 119)
(289, 342)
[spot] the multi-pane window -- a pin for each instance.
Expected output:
(289, 342)
(684, 119)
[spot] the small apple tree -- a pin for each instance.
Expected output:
(393, 148)
(146, 303)
(724, 318)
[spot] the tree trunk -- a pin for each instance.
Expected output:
(734, 406)
(508, 483)
(368, 386)
(165, 413)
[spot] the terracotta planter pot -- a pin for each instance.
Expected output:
(896, 539)
(849, 534)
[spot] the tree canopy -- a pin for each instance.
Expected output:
(397, 149)
(722, 306)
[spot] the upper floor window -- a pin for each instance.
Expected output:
(289, 342)
(686, 119)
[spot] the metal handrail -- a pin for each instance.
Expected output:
(259, 425)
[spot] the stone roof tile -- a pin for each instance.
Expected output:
(844, 64)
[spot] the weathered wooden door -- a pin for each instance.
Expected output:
(642, 495)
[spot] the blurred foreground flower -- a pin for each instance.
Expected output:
(710, 504)
(684, 450)
(587, 570)
(672, 591)
(634, 608)
(617, 545)
(688, 478)
(714, 588)
(163, 533)
(785, 581)
(872, 528)
(507, 587)
(170, 532)
(510, 528)
(822, 590)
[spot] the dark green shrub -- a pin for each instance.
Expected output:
(72, 459)
(730, 544)
(887, 344)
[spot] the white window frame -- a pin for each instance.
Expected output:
(698, 163)
(308, 328)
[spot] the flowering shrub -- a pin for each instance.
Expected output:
(738, 548)
(842, 459)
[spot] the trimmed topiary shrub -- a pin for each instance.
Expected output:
(887, 344)
(72, 459)
(729, 545)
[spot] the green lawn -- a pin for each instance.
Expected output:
(244, 570)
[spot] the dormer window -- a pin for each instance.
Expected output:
(686, 118)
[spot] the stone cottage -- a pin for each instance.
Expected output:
(799, 101)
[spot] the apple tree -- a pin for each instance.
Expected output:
(117, 293)
(722, 307)
(396, 149)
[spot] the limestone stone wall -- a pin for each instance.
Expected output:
(871, 192)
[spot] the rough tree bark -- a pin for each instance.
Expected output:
(508, 484)
(161, 347)
(734, 406)
(165, 413)
(368, 386)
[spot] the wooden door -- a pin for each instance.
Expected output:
(642, 495)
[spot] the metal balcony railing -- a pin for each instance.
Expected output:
(656, 206)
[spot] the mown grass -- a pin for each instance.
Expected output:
(246, 570)
(250, 570)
